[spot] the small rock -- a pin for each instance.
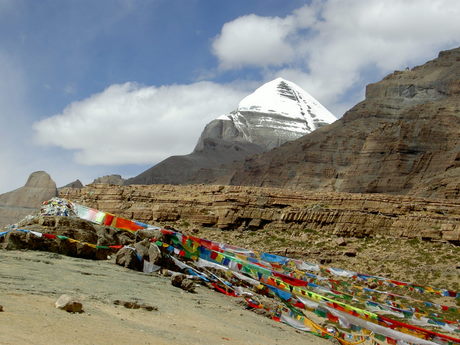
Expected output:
(350, 253)
(188, 285)
(127, 304)
(1, 308)
(135, 305)
(131, 305)
(69, 304)
(176, 279)
(181, 281)
(148, 307)
(340, 241)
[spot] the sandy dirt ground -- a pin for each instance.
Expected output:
(30, 283)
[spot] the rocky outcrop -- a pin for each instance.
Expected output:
(277, 112)
(110, 179)
(76, 229)
(23, 201)
(252, 208)
(404, 138)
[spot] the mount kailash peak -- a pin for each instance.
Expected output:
(277, 112)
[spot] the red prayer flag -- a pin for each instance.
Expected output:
(49, 236)
(127, 224)
(290, 280)
(108, 219)
(332, 317)
(116, 247)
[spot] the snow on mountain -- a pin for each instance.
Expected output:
(276, 112)
(287, 99)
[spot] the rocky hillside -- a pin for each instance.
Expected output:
(404, 138)
(277, 112)
(23, 201)
(251, 208)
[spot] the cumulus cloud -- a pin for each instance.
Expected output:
(132, 124)
(254, 40)
(327, 47)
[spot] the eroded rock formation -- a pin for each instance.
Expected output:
(252, 208)
(404, 138)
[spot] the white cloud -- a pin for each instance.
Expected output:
(333, 44)
(130, 124)
(254, 40)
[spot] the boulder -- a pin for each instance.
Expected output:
(148, 234)
(69, 304)
(142, 249)
(154, 254)
(127, 257)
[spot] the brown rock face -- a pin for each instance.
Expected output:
(252, 208)
(403, 139)
(23, 201)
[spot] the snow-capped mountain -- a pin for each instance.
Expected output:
(276, 112)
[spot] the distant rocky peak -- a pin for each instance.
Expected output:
(40, 179)
(110, 179)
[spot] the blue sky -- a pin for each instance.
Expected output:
(89, 88)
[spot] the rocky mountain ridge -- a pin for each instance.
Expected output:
(404, 138)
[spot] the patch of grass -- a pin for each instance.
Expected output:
(184, 223)
(413, 241)
(309, 231)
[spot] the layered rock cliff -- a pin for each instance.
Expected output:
(404, 138)
(252, 208)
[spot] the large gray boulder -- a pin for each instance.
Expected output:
(26, 200)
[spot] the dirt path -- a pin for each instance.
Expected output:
(30, 283)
